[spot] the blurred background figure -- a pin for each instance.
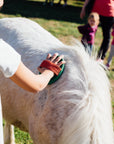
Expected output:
(105, 8)
(88, 31)
(65, 3)
(50, 2)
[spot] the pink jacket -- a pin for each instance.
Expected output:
(104, 7)
(88, 33)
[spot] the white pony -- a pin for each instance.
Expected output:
(76, 109)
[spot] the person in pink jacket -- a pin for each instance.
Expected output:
(111, 51)
(88, 31)
(105, 8)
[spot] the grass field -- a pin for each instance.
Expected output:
(61, 22)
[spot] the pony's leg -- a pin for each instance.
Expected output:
(51, 2)
(9, 134)
(1, 124)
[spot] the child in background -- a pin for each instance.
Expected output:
(111, 51)
(88, 31)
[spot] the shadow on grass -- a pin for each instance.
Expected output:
(36, 9)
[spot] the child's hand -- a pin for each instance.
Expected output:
(55, 59)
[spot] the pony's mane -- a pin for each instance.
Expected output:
(92, 112)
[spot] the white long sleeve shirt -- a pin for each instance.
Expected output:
(9, 59)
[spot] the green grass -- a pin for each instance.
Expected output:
(61, 22)
(22, 137)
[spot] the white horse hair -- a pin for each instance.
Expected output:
(74, 110)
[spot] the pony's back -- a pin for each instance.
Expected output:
(74, 110)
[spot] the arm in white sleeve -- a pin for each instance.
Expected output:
(13, 68)
(9, 59)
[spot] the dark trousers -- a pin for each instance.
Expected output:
(106, 24)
